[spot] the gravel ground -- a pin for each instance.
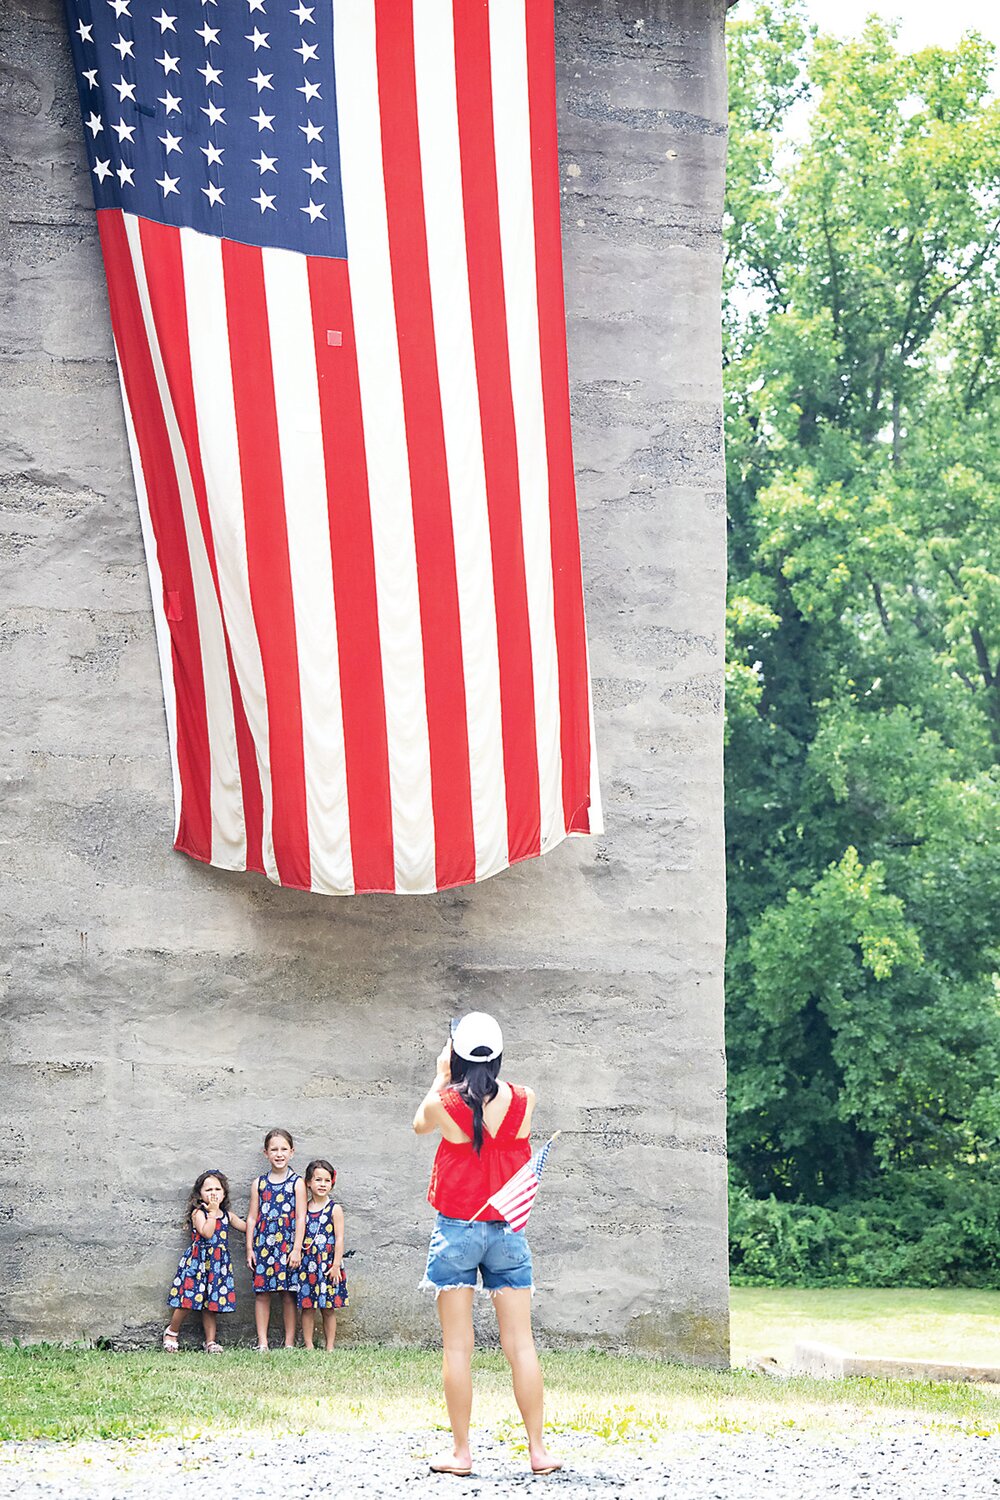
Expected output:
(694, 1466)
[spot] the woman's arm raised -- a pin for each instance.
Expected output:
(431, 1113)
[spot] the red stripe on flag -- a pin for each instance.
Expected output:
(267, 553)
(194, 832)
(366, 749)
(571, 645)
(161, 252)
(444, 681)
(489, 333)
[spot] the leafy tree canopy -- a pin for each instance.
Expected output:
(862, 374)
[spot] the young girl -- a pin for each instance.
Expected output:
(322, 1282)
(204, 1280)
(276, 1223)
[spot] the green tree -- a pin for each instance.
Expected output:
(862, 402)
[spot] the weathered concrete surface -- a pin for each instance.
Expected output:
(159, 1015)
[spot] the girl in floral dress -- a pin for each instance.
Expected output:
(204, 1281)
(276, 1223)
(322, 1282)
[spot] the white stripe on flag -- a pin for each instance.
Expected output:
(512, 144)
(229, 845)
(296, 390)
(434, 56)
(164, 645)
(360, 136)
(211, 374)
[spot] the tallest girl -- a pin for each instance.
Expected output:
(484, 1124)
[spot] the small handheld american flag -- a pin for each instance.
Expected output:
(514, 1200)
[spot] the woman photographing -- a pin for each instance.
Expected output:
(484, 1124)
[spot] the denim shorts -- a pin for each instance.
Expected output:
(460, 1248)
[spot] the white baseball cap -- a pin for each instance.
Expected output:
(477, 1037)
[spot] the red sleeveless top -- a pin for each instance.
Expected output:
(461, 1181)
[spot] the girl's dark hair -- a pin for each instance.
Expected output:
(320, 1165)
(194, 1199)
(285, 1134)
(476, 1082)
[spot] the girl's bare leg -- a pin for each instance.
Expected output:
(288, 1313)
(262, 1317)
(329, 1327)
(177, 1319)
(518, 1343)
(210, 1326)
(308, 1324)
(457, 1337)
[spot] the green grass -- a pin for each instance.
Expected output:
(72, 1394)
(959, 1327)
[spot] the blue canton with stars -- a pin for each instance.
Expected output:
(220, 115)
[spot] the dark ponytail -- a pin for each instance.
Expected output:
(476, 1083)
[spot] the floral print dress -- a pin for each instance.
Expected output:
(316, 1286)
(204, 1280)
(274, 1235)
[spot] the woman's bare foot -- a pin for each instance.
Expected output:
(460, 1463)
(542, 1461)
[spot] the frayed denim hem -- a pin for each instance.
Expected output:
(431, 1286)
(462, 1286)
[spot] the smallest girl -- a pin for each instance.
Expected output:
(204, 1281)
(322, 1282)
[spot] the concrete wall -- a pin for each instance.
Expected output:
(158, 1015)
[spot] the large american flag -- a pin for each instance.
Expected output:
(332, 242)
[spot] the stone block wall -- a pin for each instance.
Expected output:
(156, 1015)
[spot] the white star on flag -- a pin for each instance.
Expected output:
(94, 124)
(102, 169)
(212, 154)
(312, 132)
(263, 121)
(124, 89)
(265, 163)
(262, 80)
(171, 103)
(124, 132)
(85, 33)
(125, 175)
(172, 142)
(314, 210)
(168, 63)
(208, 34)
(264, 201)
(165, 22)
(210, 74)
(120, 7)
(168, 184)
(91, 76)
(214, 113)
(259, 38)
(311, 90)
(304, 13)
(213, 193)
(315, 172)
(307, 52)
(123, 47)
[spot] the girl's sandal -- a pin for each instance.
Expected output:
(169, 1341)
(213, 1348)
